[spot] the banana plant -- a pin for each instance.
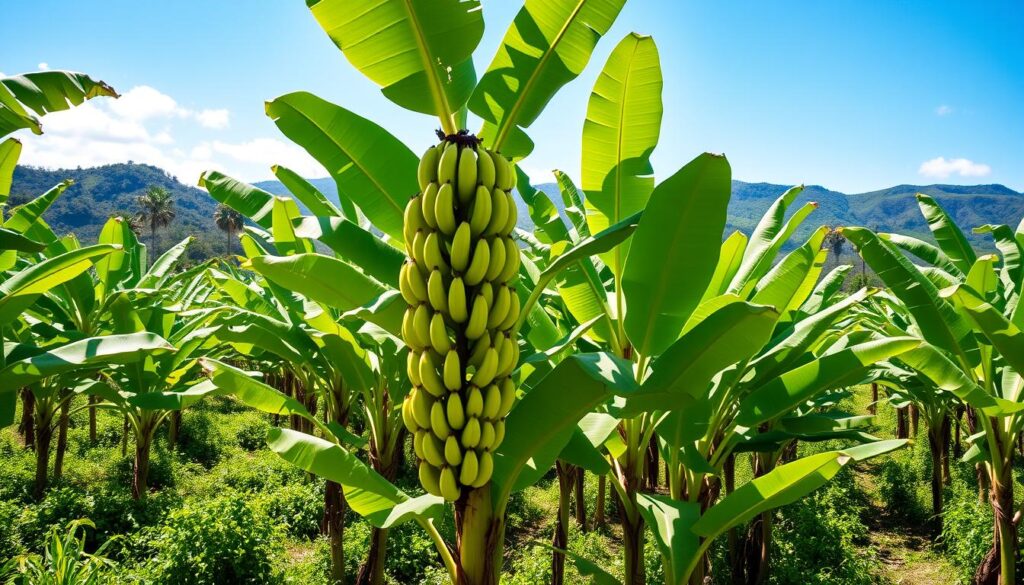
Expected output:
(966, 309)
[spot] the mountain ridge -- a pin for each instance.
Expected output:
(101, 191)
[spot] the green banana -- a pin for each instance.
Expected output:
(499, 212)
(452, 371)
(513, 215)
(413, 218)
(439, 335)
(426, 173)
(407, 416)
(475, 402)
(421, 326)
(432, 257)
(429, 201)
(416, 281)
(444, 209)
(405, 288)
(461, 247)
(513, 313)
(417, 442)
(433, 452)
(499, 309)
(468, 471)
(508, 395)
(467, 174)
(499, 434)
(501, 179)
(438, 421)
(477, 318)
(430, 478)
(496, 261)
(421, 405)
(412, 367)
(485, 466)
(485, 170)
(436, 291)
(486, 435)
(457, 308)
(417, 249)
(479, 265)
(446, 163)
(428, 375)
(491, 402)
(488, 367)
(511, 260)
(449, 489)
(506, 357)
(480, 212)
(471, 433)
(456, 414)
(480, 347)
(485, 290)
(452, 452)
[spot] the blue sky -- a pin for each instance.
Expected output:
(848, 94)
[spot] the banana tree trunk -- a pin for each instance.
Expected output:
(653, 465)
(44, 435)
(599, 513)
(633, 546)
(873, 407)
(902, 425)
(999, 565)
(480, 539)
(915, 416)
(946, 428)
(334, 527)
(143, 448)
(173, 427)
(62, 440)
(386, 463)
(27, 426)
(580, 497)
(560, 540)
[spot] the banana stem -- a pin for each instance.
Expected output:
(440, 545)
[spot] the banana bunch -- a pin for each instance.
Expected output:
(462, 307)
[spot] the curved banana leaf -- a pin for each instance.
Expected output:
(547, 45)
(320, 278)
(788, 284)
(835, 370)
(940, 323)
(366, 491)
(729, 335)
(783, 485)
(307, 194)
(670, 521)
(541, 424)
(1012, 271)
(767, 239)
(18, 292)
(419, 51)
(826, 289)
(160, 271)
(549, 225)
(729, 259)
(355, 245)
(1004, 335)
(82, 355)
(371, 167)
(24, 216)
(674, 252)
(44, 92)
(117, 267)
(923, 250)
(285, 214)
(174, 400)
(10, 150)
(11, 240)
(947, 233)
(620, 132)
(252, 202)
(572, 200)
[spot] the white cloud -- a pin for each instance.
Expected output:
(942, 168)
(145, 126)
(43, 66)
(943, 110)
(215, 119)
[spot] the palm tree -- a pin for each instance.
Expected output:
(157, 209)
(229, 221)
(835, 242)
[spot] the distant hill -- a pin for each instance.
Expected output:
(101, 191)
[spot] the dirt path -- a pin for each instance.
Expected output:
(905, 552)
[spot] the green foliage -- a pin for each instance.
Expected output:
(900, 481)
(200, 438)
(966, 523)
(63, 562)
(221, 541)
(252, 432)
(821, 539)
(298, 507)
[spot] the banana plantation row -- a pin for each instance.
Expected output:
(629, 334)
